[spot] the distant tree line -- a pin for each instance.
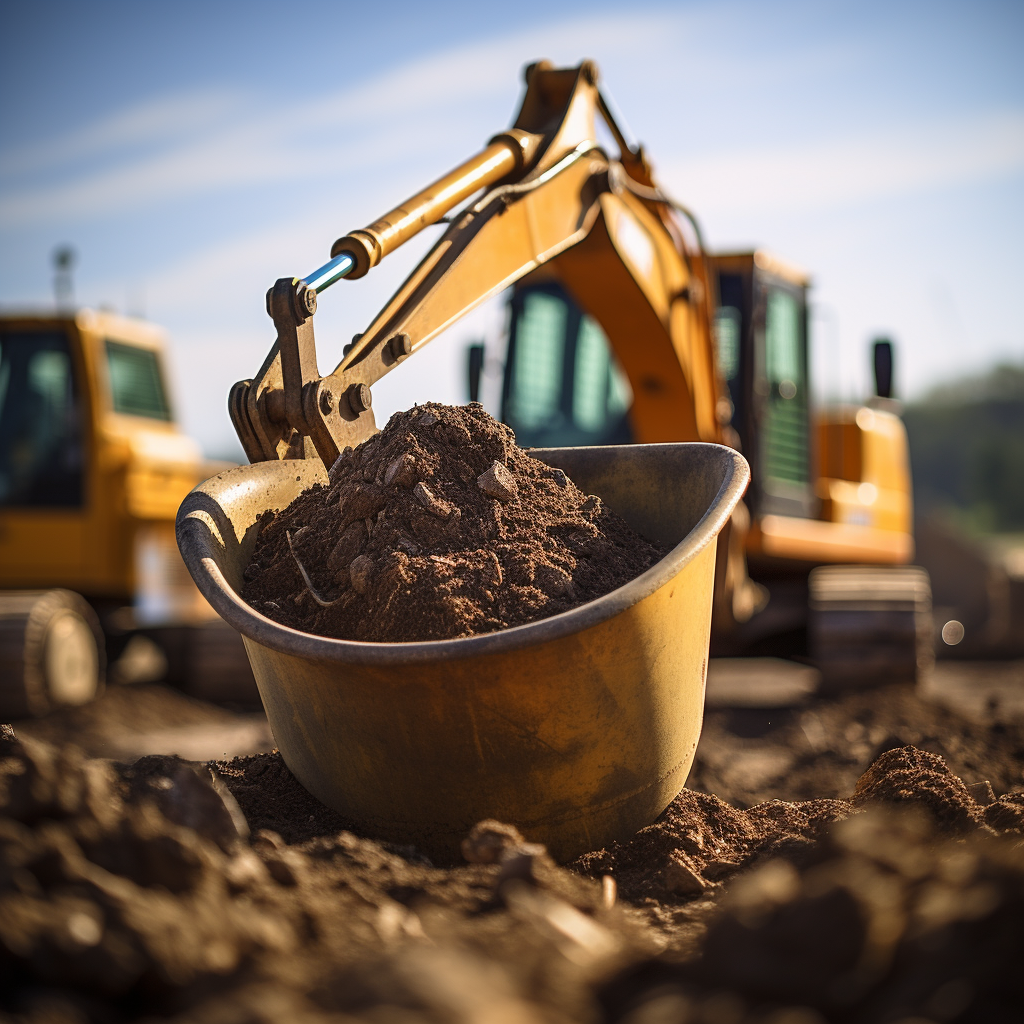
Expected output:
(967, 450)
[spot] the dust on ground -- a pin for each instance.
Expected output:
(127, 722)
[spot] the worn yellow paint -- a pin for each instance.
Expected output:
(137, 472)
(579, 728)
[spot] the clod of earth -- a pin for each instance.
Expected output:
(439, 527)
(166, 890)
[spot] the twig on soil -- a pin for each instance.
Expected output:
(305, 576)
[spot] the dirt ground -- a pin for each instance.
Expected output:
(855, 859)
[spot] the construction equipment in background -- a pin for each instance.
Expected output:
(92, 469)
(830, 497)
(616, 314)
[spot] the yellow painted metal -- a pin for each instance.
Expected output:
(579, 728)
(371, 244)
(817, 542)
(137, 470)
(628, 275)
(864, 485)
(864, 477)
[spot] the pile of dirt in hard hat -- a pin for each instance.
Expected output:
(438, 527)
(156, 891)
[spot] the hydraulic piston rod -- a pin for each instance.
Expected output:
(356, 252)
(506, 153)
(323, 277)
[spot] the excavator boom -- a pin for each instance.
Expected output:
(553, 197)
(550, 210)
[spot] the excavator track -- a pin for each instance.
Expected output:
(870, 625)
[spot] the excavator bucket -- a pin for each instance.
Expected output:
(579, 728)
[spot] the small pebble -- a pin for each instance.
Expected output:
(402, 471)
(359, 573)
(719, 868)
(682, 880)
(432, 503)
(497, 482)
(489, 841)
(554, 581)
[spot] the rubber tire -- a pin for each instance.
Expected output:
(51, 652)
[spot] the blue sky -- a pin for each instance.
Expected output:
(193, 153)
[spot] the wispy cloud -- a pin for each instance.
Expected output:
(216, 141)
(154, 121)
(839, 171)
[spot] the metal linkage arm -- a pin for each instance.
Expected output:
(547, 173)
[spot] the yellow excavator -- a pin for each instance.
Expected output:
(624, 327)
(93, 467)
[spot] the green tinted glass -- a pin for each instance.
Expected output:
(600, 389)
(782, 338)
(727, 340)
(136, 385)
(786, 434)
(540, 348)
(41, 457)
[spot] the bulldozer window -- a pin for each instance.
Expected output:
(41, 456)
(563, 385)
(136, 384)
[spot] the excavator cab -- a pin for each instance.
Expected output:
(760, 331)
(829, 488)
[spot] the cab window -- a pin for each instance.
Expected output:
(136, 383)
(41, 457)
(785, 434)
(563, 385)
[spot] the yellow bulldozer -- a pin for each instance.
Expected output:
(623, 328)
(93, 467)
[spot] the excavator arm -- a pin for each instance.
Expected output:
(552, 197)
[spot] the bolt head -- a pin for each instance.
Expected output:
(401, 346)
(359, 398)
(326, 402)
(305, 301)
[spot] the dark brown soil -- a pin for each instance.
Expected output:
(100, 727)
(748, 756)
(179, 891)
(439, 527)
